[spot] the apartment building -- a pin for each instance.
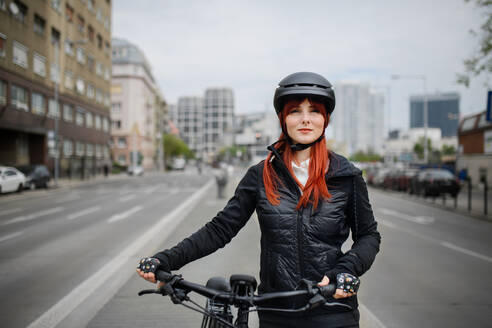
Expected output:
(55, 70)
(138, 108)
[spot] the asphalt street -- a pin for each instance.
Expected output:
(67, 257)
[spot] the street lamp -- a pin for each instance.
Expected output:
(57, 81)
(424, 81)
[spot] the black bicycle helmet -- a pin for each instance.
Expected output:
(304, 84)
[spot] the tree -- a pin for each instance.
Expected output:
(173, 146)
(362, 157)
(448, 150)
(481, 61)
(418, 147)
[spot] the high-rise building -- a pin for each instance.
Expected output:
(136, 107)
(190, 122)
(443, 112)
(218, 119)
(55, 64)
(358, 119)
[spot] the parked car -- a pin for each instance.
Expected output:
(37, 176)
(135, 170)
(179, 163)
(378, 179)
(433, 182)
(405, 179)
(11, 179)
(390, 180)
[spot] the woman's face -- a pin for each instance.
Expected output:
(304, 121)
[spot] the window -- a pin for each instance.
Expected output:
(106, 100)
(3, 4)
(98, 122)
(3, 92)
(69, 13)
(22, 14)
(90, 91)
(122, 159)
(121, 142)
(99, 68)
(54, 72)
(116, 108)
(37, 103)
(53, 109)
(20, 54)
(99, 15)
(79, 116)
(68, 80)
(107, 48)
(39, 24)
(80, 86)
(89, 149)
(99, 41)
(67, 113)
(90, 33)
(106, 152)
(99, 96)
(106, 23)
(89, 120)
(90, 5)
(55, 37)
(3, 44)
(67, 148)
(39, 64)
(98, 151)
(468, 124)
(69, 48)
(18, 96)
(106, 74)
(90, 63)
(105, 124)
(116, 124)
(80, 24)
(79, 148)
(81, 55)
(56, 5)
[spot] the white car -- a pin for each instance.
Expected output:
(11, 179)
(135, 170)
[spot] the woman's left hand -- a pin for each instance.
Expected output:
(339, 292)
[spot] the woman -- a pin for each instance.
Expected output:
(307, 200)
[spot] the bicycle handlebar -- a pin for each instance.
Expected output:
(325, 291)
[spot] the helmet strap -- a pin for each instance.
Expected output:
(299, 146)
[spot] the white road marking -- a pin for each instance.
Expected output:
(79, 294)
(34, 215)
(466, 251)
(124, 215)
(151, 189)
(12, 235)
(126, 198)
(10, 211)
(433, 240)
(68, 199)
(83, 212)
(415, 219)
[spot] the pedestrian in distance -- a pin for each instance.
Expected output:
(307, 200)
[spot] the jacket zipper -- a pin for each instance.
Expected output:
(299, 244)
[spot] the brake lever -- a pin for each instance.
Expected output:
(148, 291)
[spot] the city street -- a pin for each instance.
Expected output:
(68, 256)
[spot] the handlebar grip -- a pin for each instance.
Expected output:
(328, 290)
(163, 276)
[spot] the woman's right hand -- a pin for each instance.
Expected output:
(146, 269)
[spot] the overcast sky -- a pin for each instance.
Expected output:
(251, 45)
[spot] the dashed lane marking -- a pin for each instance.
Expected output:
(84, 212)
(467, 251)
(415, 219)
(34, 215)
(10, 236)
(126, 198)
(124, 215)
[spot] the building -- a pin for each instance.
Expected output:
(190, 122)
(358, 119)
(136, 109)
(443, 112)
(475, 147)
(55, 63)
(218, 119)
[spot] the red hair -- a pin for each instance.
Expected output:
(315, 187)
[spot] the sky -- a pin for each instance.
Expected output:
(251, 45)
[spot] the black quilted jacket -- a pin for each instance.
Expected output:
(295, 245)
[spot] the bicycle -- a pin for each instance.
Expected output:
(238, 292)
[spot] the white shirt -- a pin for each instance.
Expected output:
(301, 171)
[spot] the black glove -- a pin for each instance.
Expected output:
(347, 282)
(148, 264)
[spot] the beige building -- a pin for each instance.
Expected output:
(138, 108)
(49, 46)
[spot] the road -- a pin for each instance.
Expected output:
(68, 257)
